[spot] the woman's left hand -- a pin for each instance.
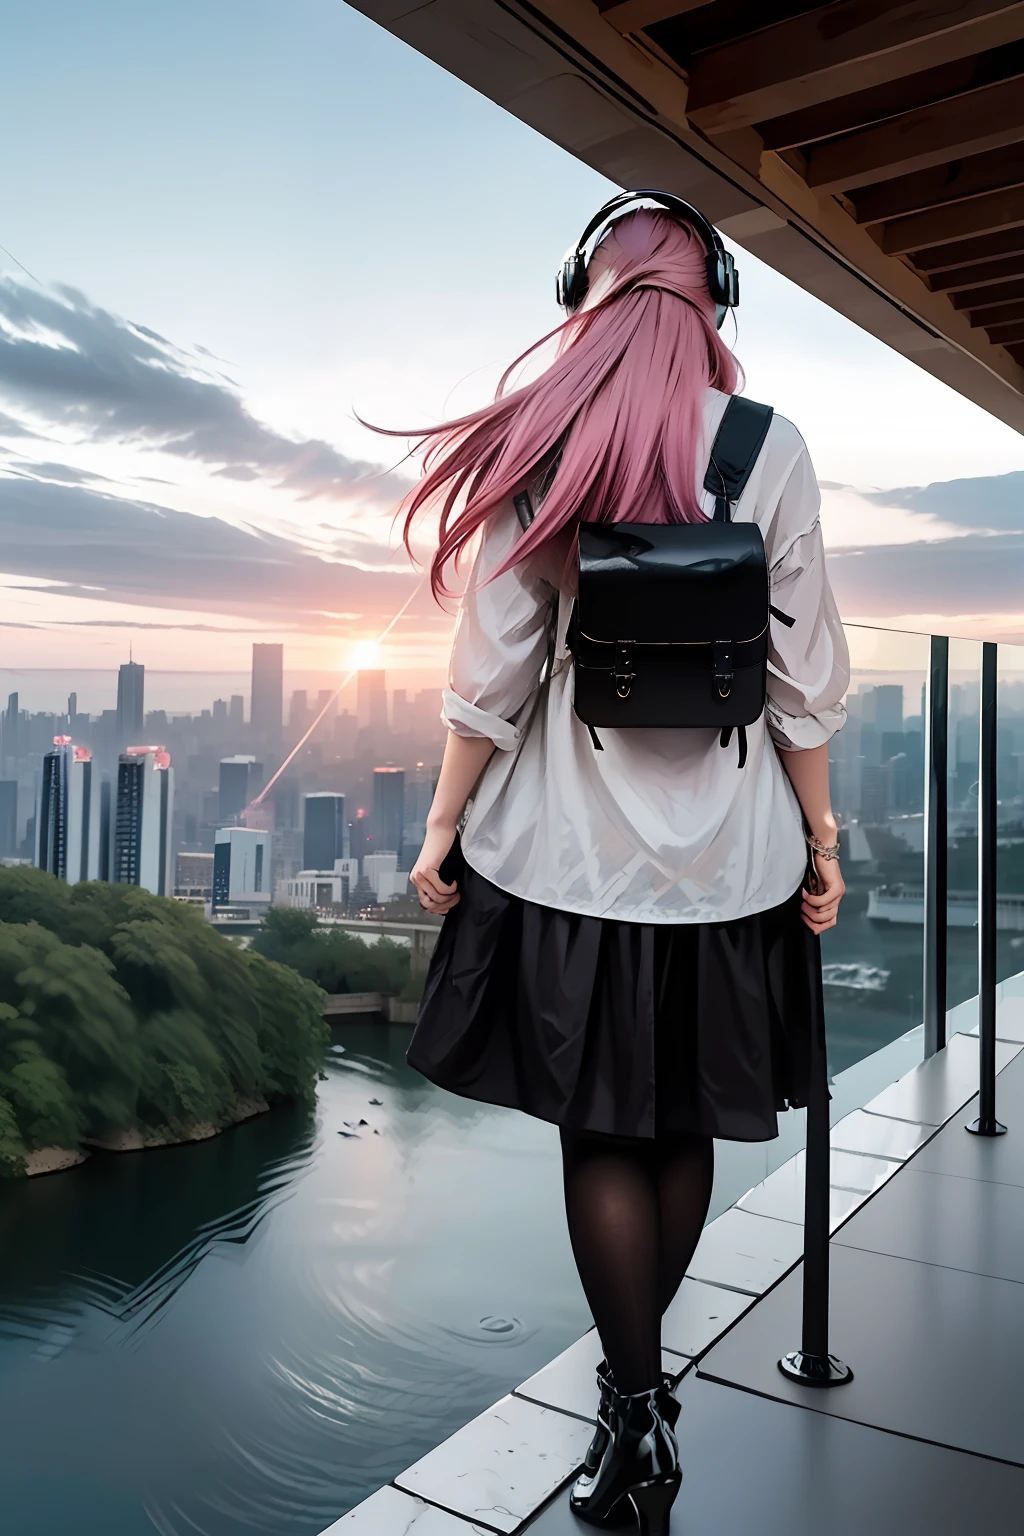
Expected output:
(820, 909)
(434, 894)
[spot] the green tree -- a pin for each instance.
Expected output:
(12, 1148)
(121, 1010)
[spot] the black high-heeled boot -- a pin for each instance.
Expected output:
(605, 1382)
(639, 1467)
(595, 1450)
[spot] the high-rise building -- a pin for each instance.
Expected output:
(240, 781)
(236, 709)
(11, 732)
(220, 710)
(323, 830)
(388, 809)
(241, 868)
(371, 701)
(266, 707)
(345, 731)
(8, 818)
(131, 687)
(419, 792)
(883, 707)
(298, 712)
(142, 820)
(67, 821)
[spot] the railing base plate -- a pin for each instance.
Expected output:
(986, 1128)
(815, 1370)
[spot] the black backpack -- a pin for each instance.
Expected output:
(670, 625)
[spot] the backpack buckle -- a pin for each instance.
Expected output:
(722, 652)
(622, 671)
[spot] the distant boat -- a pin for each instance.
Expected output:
(856, 975)
(905, 904)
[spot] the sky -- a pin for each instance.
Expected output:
(229, 228)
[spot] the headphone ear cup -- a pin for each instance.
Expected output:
(571, 287)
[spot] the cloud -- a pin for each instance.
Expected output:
(93, 545)
(974, 573)
(994, 501)
(87, 371)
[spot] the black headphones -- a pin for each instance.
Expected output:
(723, 279)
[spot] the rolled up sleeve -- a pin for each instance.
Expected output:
(501, 640)
(809, 663)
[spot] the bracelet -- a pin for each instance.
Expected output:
(824, 850)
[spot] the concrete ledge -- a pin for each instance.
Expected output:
(501, 1466)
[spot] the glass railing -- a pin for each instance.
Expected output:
(1010, 791)
(962, 833)
(874, 960)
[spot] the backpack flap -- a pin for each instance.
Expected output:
(670, 626)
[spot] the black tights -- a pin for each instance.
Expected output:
(636, 1207)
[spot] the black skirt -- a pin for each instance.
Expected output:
(623, 1027)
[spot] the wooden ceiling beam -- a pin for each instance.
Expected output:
(947, 130)
(830, 52)
(1006, 335)
(976, 299)
(942, 184)
(1000, 316)
(984, 272)
(1017, 353)
(962, 253)
(795, 130)
(632, 15)
(936, 226)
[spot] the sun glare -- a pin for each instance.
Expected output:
(365, 655)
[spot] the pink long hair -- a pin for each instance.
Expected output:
(623, 400)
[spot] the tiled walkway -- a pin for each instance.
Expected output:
(927, 1309)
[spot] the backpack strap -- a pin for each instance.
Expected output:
(524, 509)
(734, 452)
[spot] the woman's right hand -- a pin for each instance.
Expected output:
(820, 909)
(434, 895)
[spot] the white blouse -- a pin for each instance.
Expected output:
(661, 826)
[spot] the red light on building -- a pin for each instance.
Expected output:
(62, 741)
(83, 755)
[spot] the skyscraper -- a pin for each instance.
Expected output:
(371, 701)
(236, 709)
(67, 822)
(8, 818)
(11, 734)
(131, 682)
(241, 868)
(267, 699)
(323, 831)
(388, 810)
(241, 779)
(142, 820)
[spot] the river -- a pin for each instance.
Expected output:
(253, 1333)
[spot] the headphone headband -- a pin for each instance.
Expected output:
(723, 280)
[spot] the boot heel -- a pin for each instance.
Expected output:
(652, 1502)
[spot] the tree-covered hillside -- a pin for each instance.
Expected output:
(125, 1011)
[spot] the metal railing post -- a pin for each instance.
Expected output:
(812, 1364)
(936, 726)
(986, 1124)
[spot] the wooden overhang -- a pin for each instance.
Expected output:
(873, 152)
